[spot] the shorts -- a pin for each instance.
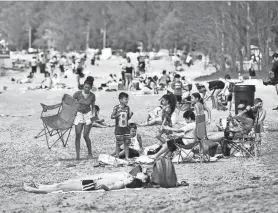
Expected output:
(132, 153)
(88, 185)
(121, 139)
(83, 118)
(179, 98)
(128, 77)
(34, 69)
(172, 147)
(62, 68)
(230, 97)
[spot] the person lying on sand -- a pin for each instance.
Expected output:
(99, 123)
(155, 117)
(106, 181)
(27, 80)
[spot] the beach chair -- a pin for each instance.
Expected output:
(248, 144)
(61, 122)
(201, 145)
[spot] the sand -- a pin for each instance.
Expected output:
(229, 185)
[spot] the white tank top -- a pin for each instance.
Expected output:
(134, 143)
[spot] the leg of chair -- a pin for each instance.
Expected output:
(46, 137)
(40, 135)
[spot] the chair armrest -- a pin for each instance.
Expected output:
(50, 107)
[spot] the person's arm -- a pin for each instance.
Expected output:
(130, 114)
(261, 119)
(119, 184)
(173, 129)
(139, 138)
(114, 113)
(209, 113)
(93, 106)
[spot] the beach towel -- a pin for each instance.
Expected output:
(110, 160)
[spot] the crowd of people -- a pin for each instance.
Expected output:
(128, 141)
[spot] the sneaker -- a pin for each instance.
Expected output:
(276, 108)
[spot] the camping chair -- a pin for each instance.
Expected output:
(201, 144)
(61, 123)
(248, 144)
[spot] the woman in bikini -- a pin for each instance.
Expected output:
(83, 120)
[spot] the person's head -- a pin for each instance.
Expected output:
(97, 109)
(164, 72)
(189, 116)
(169, 99)
(149, 80)
(141, 180)
(177, 77)
(258, 103)
(34, 57)
(133, 129)
(196, 97)
(88, 84)
(155, 78)
(123, 98)
(227, 77)
(55, 76)
(275, 56)
(47, 74)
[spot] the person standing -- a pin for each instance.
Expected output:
(274, 70)
(83, 120)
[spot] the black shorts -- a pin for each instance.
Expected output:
(230, 97)
(62, 68)
(171, 144)
(132, 153)
(179, 98)
(34, 69)
(88, 185)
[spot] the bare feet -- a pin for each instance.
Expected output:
(90, 156)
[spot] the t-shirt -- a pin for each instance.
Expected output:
(190, 133)
(177, 87)
(121, 122)
(164, 79)
(33, 62)
(84, 103)
(275, 69)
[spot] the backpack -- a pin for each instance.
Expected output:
(231, 87)
(164, 173)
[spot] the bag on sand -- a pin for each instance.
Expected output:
(164, 173)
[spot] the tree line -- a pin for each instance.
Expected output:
(221, 30)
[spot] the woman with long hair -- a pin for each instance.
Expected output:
(199, 106)
(169, 105)
(83, 120)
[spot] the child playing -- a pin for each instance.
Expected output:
(99, 123)
(135, 147)
(199, 106)
(177, 87)
(121, 113)
(169, 106)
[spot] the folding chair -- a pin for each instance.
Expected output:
(61, 123)
(201, 142)
(249, 144)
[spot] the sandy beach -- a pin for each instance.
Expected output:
(228, 185)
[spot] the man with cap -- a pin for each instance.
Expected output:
(275, 71)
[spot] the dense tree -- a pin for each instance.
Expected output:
(219, 29)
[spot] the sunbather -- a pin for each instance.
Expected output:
(27, 79)
(106, 181)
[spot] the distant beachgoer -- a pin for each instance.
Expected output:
(99, 123)
(199, 106)
(274, 70)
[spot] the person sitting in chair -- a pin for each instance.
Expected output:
(186, 136)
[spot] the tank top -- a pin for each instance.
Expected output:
(128, 68)
(134, 143)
